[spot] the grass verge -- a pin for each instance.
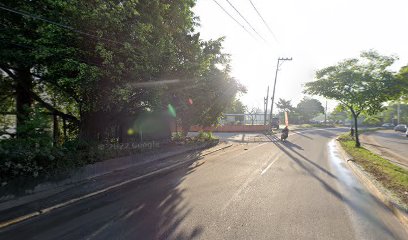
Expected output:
(392, 177)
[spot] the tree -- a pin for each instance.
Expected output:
(98, 69)
(252, 112)
(402, 77)
(28, 45)
(391, 112)
(284, 105)
(360, 84)
(339, 114)
(91, 72)
(236, 107)
(309, 108)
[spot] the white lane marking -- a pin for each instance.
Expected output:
(270, 164)
(250, 178)
(101, 229)
(74, 200)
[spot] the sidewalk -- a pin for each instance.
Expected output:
(368, 142)
(98, 176)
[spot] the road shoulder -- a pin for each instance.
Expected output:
(375, 188)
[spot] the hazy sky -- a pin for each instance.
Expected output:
(316, 33)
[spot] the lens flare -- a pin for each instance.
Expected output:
(130, 131)
(172, 110)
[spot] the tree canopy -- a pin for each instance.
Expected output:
(309, 108)
(284, 105)
(78, 71)
(97, 64)
(360, 84)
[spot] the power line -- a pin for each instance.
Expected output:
(266, 24)
(3, 7)
(234, 19)
(245, 20)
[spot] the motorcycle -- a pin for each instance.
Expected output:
(284, 136)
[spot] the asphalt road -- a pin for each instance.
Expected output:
(236, 137)
(261, 190)
(395, 143)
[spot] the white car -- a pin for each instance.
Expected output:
(406, 133)
(401, 128)
(388, 125)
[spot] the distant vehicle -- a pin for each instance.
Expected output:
(388, 125)
(406, 133)
(401, 128)
(275, 123)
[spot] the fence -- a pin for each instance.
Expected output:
(243, 119)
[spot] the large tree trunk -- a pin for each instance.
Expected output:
(64, 126)
(88, 127)
(23, 98)
(356, 130)
(56, 130)
(185, 125)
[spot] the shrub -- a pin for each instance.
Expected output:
(204, 136)
(178, 137)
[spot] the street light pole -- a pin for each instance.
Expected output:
(274, 87)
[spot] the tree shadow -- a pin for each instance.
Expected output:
(291, 145)
(283, 146)
(374, 145)
(311, 168)
(151, 208)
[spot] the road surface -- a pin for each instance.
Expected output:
(390, 144)
(236, 137)
(261, 190)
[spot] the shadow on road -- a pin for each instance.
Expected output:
(310, 167)
(374, 145)
(152, 208)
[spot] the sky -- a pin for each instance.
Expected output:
(315, 33)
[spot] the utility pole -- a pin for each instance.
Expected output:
(274, 86)
(266, 105)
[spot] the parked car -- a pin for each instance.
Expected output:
(401, 127)
(388, 125)
(275, 122)
(406, 133)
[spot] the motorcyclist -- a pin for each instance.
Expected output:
(285, 133)
(286, 130)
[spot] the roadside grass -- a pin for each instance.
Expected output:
(389, 175)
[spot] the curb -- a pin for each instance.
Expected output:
(54, 189)
(216, 150)
(368, 183)
(77, 199)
